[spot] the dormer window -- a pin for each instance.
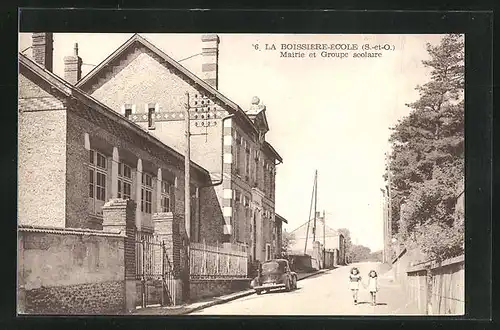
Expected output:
(127, 110)
(151, 116)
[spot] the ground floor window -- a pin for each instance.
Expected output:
(268, 251)
(147, 193)
(124, 181)
(97, 181)
(167, 196)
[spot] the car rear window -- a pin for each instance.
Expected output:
(270, 266)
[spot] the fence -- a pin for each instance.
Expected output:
(438, 288)
(217, 261)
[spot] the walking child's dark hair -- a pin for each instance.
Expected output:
(372, 272)
(353, 269)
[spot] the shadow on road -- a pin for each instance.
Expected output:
(307, 275)
(280, 291)
(369, 303)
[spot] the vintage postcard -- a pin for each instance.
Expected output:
(241, 174)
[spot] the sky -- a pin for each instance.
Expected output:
(327, 114)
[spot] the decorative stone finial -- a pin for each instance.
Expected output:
(255, 100)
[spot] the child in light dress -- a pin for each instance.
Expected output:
(354, 280)
(373, 286)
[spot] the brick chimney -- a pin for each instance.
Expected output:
(43, 46)
(73, 67)
(210, 66)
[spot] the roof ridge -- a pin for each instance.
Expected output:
(71, 88)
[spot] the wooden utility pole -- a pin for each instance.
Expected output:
(309, 218)
(315, 203)
(324, 239)
(187, 163)
(384, 220)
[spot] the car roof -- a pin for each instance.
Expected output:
(276, 260)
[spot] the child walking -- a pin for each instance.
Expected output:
(373, 286)
(354, 280)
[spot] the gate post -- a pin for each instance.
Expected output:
(119, 215)
(166, 227)
(428, 290)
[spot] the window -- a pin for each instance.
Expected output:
(167, 196)
(128, 111)
(124, 181)
(235, 223)
(236, 153)
(195, 223)
(237, 196)
(268, 251)
(151, 117)
(146, 193)
(97, 181)
(255, 169)
(247, 163)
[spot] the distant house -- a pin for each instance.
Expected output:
(331, 239)
(278, 233)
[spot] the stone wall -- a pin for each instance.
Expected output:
(201, 289)
(70, 271)
(437, 288)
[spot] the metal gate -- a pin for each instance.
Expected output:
(154, 272)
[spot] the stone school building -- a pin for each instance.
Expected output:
(100, 169)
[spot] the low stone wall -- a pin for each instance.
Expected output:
(70, 271)
(201, 289)
(91, 298)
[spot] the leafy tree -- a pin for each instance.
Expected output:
(360, 253)
(376, 256)
(427, 160)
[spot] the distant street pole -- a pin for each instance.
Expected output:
(324, 239)
(315, 203)
(187, 179)
(309, 217)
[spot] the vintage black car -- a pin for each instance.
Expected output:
(275, 274)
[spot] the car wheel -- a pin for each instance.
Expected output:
(258, 292)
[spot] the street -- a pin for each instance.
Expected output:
(325, 294)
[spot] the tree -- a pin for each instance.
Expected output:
(376, 256)
(427, 160)
(287, 239)
(360, 253)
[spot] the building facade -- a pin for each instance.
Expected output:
(140, 82)
(305, 236)
(75, 154)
